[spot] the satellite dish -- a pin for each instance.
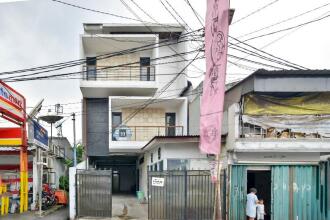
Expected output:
(36, 109)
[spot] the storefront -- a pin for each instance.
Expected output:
(289, 191)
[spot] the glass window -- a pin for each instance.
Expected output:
(116, 121)
(177, 164)
(161, 166)
(159, 153)
(151, 157)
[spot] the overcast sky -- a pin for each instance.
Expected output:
(41, 32)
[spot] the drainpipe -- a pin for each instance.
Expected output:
(183, 93)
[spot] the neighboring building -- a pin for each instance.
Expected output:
(127, 112)
(276, 129)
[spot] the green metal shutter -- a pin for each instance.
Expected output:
(237, 193)
(280, 193)
(304, 193)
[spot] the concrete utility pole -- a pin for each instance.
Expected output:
(74, 140)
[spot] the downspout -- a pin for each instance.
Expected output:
(184, 93)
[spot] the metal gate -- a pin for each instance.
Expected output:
(180, 195)
(94, 195)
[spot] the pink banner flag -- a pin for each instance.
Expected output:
(216, 35)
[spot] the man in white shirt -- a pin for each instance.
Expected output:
(251, 204)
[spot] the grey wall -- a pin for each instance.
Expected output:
(97, 127)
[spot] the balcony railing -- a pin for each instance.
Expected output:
(130, 73)
(144, 133)
(251, 131)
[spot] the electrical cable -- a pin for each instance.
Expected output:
(81, 61)
(254, 12)
(283, 21)
(286, 29)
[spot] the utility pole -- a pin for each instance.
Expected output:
(74, 140)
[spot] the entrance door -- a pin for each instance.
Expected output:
(170, 124)
(91, 68)
(115, 181)
(145, 69)
(261, 180)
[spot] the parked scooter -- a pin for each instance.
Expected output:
(48, 197)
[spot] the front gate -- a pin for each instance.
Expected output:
(180, 195)
(94, 195)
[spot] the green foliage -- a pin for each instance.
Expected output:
(64, 183)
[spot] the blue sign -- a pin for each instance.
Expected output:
(122, 133)
(38, 135)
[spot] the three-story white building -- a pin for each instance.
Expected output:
(132, 90)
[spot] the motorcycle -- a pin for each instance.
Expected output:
(48, 197)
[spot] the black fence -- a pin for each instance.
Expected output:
(94, 193)
(181, 195)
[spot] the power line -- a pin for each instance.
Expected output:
(286, 29)
(271, 55)
(283, 21)
(103, 12)
(108, 67)
(103, 56)
(195, 13)
(256, 11)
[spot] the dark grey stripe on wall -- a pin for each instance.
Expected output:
(97, 127)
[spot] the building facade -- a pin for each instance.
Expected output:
(276, 135)
(132, 92)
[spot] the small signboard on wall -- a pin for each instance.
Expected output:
(157, 181)
(38, 135)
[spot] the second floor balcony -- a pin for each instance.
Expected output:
(103, 81)
(144, 133)
(125, 73)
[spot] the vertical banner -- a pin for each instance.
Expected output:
(216, 35)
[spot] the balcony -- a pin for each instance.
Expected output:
(104, 81)
(126, 73)
(254, 138)
(144, 133)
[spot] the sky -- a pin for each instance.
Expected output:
(42, 32)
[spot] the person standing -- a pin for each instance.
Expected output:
(260, 210)
(251, 204)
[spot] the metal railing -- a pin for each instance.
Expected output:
(144, 133)
(129, 73)
(248, 130)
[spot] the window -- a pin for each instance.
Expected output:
(177, 164)
(170, 124)
(159, 153)
(151, 157)
(160, 166)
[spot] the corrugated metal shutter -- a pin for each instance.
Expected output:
(280, 193)
(238, 193)
(305, 205)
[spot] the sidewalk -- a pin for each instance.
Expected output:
(135, 210)
(61, 214)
